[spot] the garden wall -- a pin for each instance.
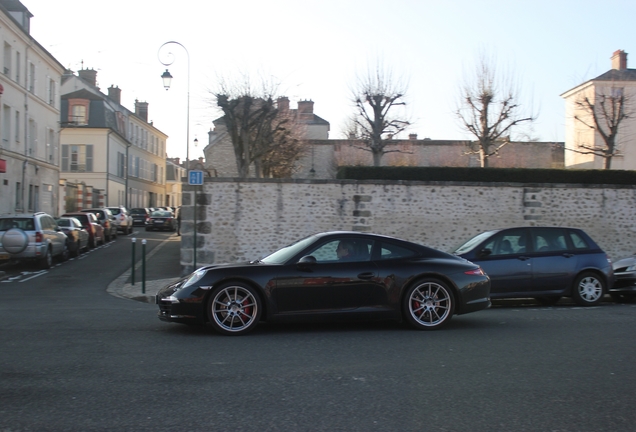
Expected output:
(244, 220)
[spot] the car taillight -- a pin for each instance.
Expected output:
(475, 272)
(38, 237)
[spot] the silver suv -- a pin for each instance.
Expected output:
(123, 219)
(33, 236)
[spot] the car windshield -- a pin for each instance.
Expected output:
(161, 213)
(64, 222)
(138, 211)
(473, 242)
(114, 211)
(283, 255)
(23, 223)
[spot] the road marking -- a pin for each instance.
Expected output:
(35, 275)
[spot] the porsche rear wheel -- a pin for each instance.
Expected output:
(429, 304)
(234, 308)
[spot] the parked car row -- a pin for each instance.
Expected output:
(338, 275)
(41, 238)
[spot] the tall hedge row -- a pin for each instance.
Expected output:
(486, 175)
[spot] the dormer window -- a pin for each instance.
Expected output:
(78, 111)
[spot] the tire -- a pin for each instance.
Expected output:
(234, 308)
(588, 289)
(77, 250)
(66, 253)
(428, 304)
(548, 301)
(47, 260)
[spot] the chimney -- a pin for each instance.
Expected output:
(88, 75)
(306, 107)
(413, 137)
(283, 103)
(619, 60)
(115, 94)
(141, 110)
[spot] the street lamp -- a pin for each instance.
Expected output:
(167, 80)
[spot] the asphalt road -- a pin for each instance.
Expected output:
(76, 358)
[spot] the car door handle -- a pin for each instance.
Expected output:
(524, 258)
(568, 255)
(367, 275)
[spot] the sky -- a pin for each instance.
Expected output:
(318, 50)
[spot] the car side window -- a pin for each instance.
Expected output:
(578, 241)
(549, 240)
(507, 243)
(343, 249)
(390, 251)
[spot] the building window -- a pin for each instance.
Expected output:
(78, 111)
(17, 67)
(6, 125)
(17, 126)
(32, 78)
(52, 90)
(77, 158)
(33, 137)
(121, 164)
(7, 59)
(50, 146)
(18, 196)
(30, 201)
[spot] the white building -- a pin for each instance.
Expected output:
(30, 104)
(619, 80)
(110, 156)
(175, 172)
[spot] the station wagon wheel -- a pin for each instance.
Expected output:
(429, 304)
(588, 289)
(234, 308)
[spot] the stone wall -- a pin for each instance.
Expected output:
(244, 220)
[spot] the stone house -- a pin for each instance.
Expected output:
(323, 156)
(619, 80)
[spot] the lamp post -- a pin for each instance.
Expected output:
(167, 81)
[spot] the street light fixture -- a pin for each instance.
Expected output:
(167, 80)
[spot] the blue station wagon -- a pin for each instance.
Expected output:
(544, 263)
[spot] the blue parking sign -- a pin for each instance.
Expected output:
(195, 177)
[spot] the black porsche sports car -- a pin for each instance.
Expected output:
(330, 276)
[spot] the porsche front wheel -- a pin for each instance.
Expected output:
(234, 308)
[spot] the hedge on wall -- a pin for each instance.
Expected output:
(486, 175)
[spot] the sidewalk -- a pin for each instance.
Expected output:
(163, 266)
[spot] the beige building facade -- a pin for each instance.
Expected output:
(29, 118)
(619, 80)
(107, 149)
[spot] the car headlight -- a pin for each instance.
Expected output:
(194, 278)
(631, 268)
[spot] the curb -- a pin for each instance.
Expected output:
(120, 288)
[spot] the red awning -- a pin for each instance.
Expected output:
(3, 166)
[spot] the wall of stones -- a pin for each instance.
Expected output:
(244, 220)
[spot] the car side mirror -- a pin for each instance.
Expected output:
(484, 253)
(306, 262)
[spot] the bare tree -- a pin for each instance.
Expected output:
(376, 96)
(489, 109)
(602, 114)
(261, 135)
